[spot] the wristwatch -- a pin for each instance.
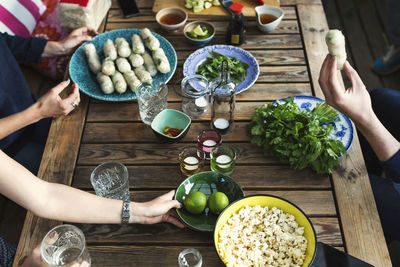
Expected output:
(125, 212)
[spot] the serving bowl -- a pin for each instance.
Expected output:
(207, 182)
(268, 10)
(270, 201)
(199, 42)
(173, 119)
(171, 18)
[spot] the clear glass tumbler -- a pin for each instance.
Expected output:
(64, 245)
(111, 180)
(191, 160)
(223, 159)
(152, 99)
(190, 257)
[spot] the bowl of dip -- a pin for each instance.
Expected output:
(171, 18)
(268, 17)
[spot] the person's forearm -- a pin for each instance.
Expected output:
(19, 120)
(379, 138)
(53, 49)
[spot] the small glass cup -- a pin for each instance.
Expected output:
(111, 180)
(223, 159)
(152, 99)
(195, 93)
(207, 140)
(64, 245)
(191, 160)
(190, 257)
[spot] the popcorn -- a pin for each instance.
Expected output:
(259, 236)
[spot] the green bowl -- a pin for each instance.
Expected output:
(208, 183)
(174, 119)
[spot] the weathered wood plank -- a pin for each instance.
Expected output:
(169, 177)
(356, 204)
(327, 230)
(57, 165)
(134, 154)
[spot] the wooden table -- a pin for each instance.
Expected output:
(341, 206)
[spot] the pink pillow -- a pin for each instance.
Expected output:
(19, 17)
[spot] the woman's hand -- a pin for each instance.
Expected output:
(51, 104)
(157, 210)
(68, 44)
(355, 102)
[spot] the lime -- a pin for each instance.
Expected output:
(195, 202)
(217, 202)
(199, 31)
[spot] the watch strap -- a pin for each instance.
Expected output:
(125, 212)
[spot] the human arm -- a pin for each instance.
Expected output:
(49, 105)
(64, 203)
(355, 102)
(68, 44)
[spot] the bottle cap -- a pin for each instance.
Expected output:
(236, 8)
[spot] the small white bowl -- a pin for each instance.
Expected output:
(171, 10)
(270, 10)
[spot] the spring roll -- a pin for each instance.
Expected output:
(337, 46)
(132, 81)
(161, 60)
(143, 75)
(92, 58)
(109, 50)
(150, 41)
(119, 82)
(137, 44)
(123, 65)
(105, 83)
(108, 67)
(123, 48)
(136, 60)
(149, 64)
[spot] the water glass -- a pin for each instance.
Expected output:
(190, 257)
(207, 140)
(223, 159)
(191, 160)
(111, 180)
(64, 245)
(195, 93)
(152, 99)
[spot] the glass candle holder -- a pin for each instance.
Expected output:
(195, 94)
(191, 160)
(190, 257)
(223, 159)
(207, 140)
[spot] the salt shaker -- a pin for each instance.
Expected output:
(223, 100)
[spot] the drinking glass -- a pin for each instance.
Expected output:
(152, 99)
(207, 140)
(111, 180)
(222, 159)
(191, 160)
(64, 245)
(195, 95)
(190, 257)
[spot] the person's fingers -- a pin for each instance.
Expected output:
(91, 31)
(323, 76)
(168, 196)
(333, 82)
(175, 221)
(74, 94)
(172, 204)
(353, 75)
(61, 86)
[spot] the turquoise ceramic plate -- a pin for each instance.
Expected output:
(208, 183)
(81, 74)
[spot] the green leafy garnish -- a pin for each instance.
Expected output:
(210, 67)
(300, 138)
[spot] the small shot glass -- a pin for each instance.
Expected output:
(191, 160)
(190, 257)
(223, 159)
(207, 140)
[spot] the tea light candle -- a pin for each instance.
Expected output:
(221, 123)
(193, 161)
(208, 145)
(201, 102)
(223, 161)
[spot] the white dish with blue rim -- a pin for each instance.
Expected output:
(86, 80)
(198, 56)
(342, 127)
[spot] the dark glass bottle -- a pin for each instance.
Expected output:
(236, 28)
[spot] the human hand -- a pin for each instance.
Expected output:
(157, 210)
(354, 102)
(51, 104)
(76, 37)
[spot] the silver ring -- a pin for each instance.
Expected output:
(74, 104)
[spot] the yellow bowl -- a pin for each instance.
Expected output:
(270, 201)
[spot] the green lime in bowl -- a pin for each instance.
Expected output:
(207, 183)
